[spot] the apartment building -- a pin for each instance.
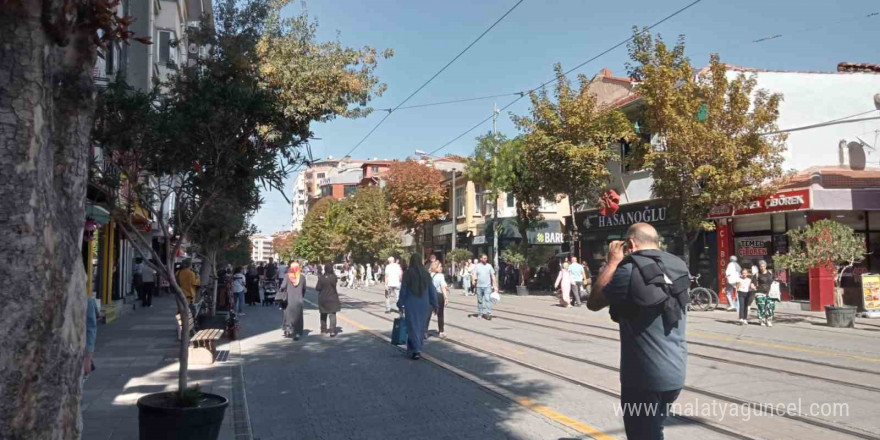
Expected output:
(261, 248)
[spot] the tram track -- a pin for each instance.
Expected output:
(829, 426)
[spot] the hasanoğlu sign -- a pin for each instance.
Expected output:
(796, 200)
(628, 216)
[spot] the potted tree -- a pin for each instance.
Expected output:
(459, 256)
(828, 244)
(516, 258)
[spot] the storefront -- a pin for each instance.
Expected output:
(758, 232)
(546, 237)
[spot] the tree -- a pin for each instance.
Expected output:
(236, 129)
(315, 241)
(710, 149)
(824, 244)
(570, 142)
(503, 165)
(283, 244)
(416, 195)
(367, 227)
(46, 105)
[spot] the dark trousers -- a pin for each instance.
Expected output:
(324, 328)
(147, 296)
(138, 284)
(577, 289)
(744, 300)
(441, 303)
(645, 411)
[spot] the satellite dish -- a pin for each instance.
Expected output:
(193, 48)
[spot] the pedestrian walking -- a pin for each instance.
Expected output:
(417, 298)
(239, 287)
(647, 292)
(579, 280)
(732, 273)
(283, 269)
(293, 287)
(189, 283)
(766, 305)
(745, 289)
(486, 283)
(393, 278)
(368, 276)
(137, 280)
(252, 296)
(328, 300)
(91, 336)
(563, 285)
(148, 281)
(438, 279)
(466, 277)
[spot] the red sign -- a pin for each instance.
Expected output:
(795, 200)
(723, 235)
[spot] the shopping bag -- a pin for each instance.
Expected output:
(775, 293)
(495, 297)
(398, 332)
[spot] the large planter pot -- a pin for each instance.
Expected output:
(840, 316)
(161, 418)
(522, 290)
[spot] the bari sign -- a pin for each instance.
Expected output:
(796, 200)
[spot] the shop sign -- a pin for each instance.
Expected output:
(443, 229)
(782, 201)
(626, 217)
(871, 291)
(479, 239)
(547, 238)
(723, 235)
(753, 247)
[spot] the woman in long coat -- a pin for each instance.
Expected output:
(417, 298)
(328, 300)
(252, 296)
(294, 286)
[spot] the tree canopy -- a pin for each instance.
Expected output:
(710, 146)
(416, 195)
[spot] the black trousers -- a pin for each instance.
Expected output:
(744, 300)
(324, 328)
(645, 411)
(147, 296)
(441, 303)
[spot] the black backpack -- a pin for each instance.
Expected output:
(654, 289)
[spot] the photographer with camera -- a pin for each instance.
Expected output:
(646, 289)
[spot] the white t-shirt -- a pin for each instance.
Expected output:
(439, 282)
(238, 281)
(393, 272)
(744, 285)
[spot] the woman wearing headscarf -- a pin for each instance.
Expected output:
(417, 298)
(252, 283)
(294, 286)
(563, 283)
(328, 300)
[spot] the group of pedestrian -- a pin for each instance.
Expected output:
(291, 295)
(755, 285)
(572, 283)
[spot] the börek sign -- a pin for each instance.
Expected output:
(796, 200)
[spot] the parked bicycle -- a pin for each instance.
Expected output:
(701, 298)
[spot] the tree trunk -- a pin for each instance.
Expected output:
(46, 109)
(574, 229)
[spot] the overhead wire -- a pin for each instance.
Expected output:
(434, 76)
(567, 72)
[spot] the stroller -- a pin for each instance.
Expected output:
(270, 288)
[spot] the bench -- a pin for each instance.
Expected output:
(203, 349)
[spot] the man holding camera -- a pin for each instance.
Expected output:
(646, 289)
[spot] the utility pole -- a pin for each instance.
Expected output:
(495, 202)
(454, 222)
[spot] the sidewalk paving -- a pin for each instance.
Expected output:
(137, 355)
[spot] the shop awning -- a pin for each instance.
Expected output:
(543, 232)
(98, 213)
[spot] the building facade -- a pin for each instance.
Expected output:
(261, 248)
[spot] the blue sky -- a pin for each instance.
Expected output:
(518, 54)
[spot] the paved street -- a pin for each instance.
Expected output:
(535, 372)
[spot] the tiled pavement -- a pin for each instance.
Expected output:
(136, 355)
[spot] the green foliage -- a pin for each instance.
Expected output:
(367, 229)
(459, 255)
(825, 243)
(316, 240)
(570, 142)
(191, 396)
(697, 164)
(283, 244)
(513, 257)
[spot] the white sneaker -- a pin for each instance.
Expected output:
(763, 323)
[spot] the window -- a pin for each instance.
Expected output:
(547, 205)
(109, 58)
(479, 200)
(326, 190)
(349, 190)
(375, 168)
(320, 175)
(627, 151)
(510, 200)
(167, 53)
(459, 202)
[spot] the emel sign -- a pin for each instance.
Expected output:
(795, 200)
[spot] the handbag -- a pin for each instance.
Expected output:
(398, 331)
(775, 292)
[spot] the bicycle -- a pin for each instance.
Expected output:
(701, 298)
